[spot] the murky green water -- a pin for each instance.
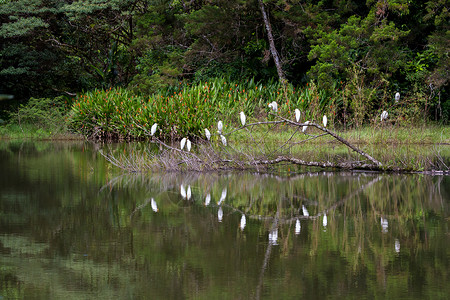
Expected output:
(72, 227)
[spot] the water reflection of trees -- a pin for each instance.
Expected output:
(108, 232)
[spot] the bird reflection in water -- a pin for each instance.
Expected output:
(273, 237)
(384, 225)
(243, 222)
(297, 227)
(220, 214)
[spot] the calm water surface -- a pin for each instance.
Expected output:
(73, 227)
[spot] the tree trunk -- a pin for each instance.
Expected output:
(273, 50)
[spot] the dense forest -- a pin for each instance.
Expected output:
(358, 52)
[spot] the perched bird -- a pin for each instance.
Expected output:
(297, 114)
(325, 120)
(182, 143)
(154, 206)
(223, 196)
(188, 145)
(224, 140)
(207, 199)
(397, 97)
(208, 134)
(305, 211)
(153, 130)
(274, 106)
(305, 126)
(384, 115)
(243, 222)
(242, 115)
(219, 127)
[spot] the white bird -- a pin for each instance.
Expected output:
(397, 97)
(153, 130)
(305, 211)
(384, 115)
(223, 196)
(188, 145)
(224, 140)
(297, 114)
(208, 134)
(325, 220)
(188, 194)
(154, 206)
(183, 191)
(220, 214)
(243, 222)
(297, 227)
(182, 143)
(274, 106)
(305, 127)
(325, 120)
(242, 115)
(207, 199)
(219, 127)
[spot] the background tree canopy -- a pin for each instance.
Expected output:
(374, 48)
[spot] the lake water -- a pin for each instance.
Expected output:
(72, 226)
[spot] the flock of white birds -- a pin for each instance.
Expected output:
(274, 106)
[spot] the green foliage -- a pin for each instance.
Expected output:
(189, 109)
(47, 114)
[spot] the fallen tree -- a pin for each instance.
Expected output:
(214, 155)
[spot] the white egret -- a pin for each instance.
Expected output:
(220, 214)
(224, 140)
(297, 227)
(182, 143)
(397, 97)
(154, 206)
(188, 193)
(207, 199)
(219, 127)
(183, 191)
(325, 220)
(223, 196)
(305, 127)
(397, 246)
(384, 115)
(305, 211)
(208, 134)
(242, 115)
(188, 145)
(274, 106)
(243, 222)
(325, 120)
(153, 130)
(297, 114)
(384, 225)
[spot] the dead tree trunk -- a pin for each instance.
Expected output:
(273, 50)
